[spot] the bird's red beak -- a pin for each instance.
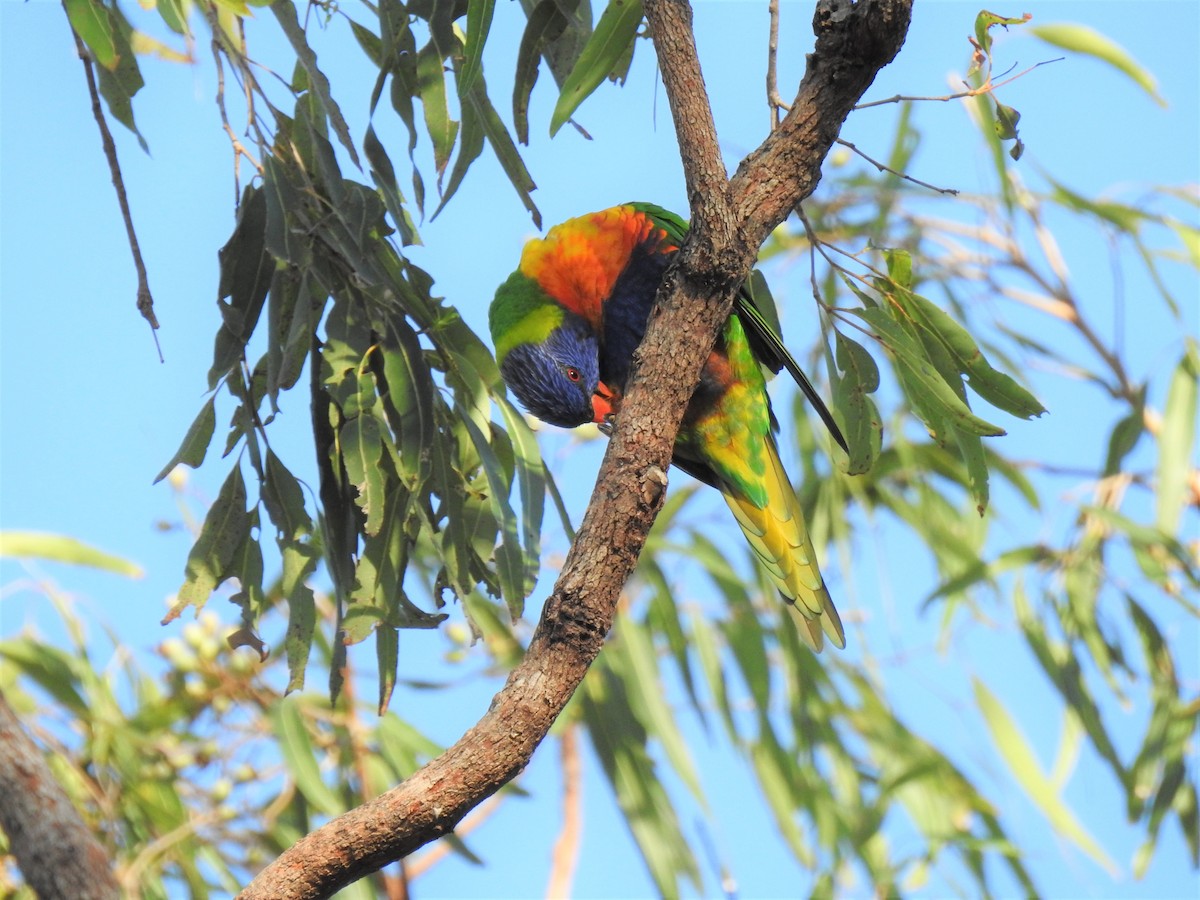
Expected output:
(605, 403)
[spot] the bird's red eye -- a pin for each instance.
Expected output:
(572, 373)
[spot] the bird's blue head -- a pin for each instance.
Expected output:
(555, 378)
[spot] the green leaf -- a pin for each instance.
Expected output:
(470, 146)
(1014, 748)
(619, 740)
(531, 477)
(505, 149)
(635, 660)
(246, 273)
(431, 82)
(385, 178)
(60, 548)
(479, 22)
(285, 13)
(299, 561)
(122, 79)
(209, 562)
(56, 671)
(772, 767)
(1082, 39)
(921, 376)
(195, 443)
(1124, 437)
(284, 499)
(997, 388)
(91, 22)
(1176, 440)
(362, 449)
(546, 23)
(510, 562)
(986, 20)
(387, 657)
(300, 756)
(409, 404)
(609, 43)
(860, 417)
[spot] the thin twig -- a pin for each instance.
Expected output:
(883, 167)
(566, 849)
(986, 88)
(774, 101)
(145, 301)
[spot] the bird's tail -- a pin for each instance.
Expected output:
(780, 539)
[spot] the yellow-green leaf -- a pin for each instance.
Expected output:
(60, 548)
(1014, 747)
(1088, 41)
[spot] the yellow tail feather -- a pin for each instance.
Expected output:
(779, 537)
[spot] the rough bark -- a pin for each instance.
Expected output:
(58, 855)
(730, 220)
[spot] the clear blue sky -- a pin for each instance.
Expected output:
(89, 415)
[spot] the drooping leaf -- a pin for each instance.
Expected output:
(223, 532)
(91, 22)
(479, 22)
(546, 23)
(120, 79)
(614, 33)
(246, 272)
(195, 443)
(431, 83)
(1178, 437)
(860, 417)
(999, 389)
(285, 14)
(913, 364)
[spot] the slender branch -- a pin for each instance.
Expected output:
(729, 222)
(774, 101)
(145, 301)
(986, 88)
(566, 848)
(883, 167)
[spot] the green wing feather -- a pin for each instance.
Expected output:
(756, 308)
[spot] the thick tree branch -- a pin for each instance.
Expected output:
(58, 855)
(730, 220)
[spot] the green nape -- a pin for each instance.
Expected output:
(522, 313)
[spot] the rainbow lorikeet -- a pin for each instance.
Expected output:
(565, 326)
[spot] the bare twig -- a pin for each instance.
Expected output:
(566, 848)
(145, 301)
(774, 101)
(883, 167)
(986, 88)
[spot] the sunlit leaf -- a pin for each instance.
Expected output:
(1176, 440)
(1014, 747)
(60, 548)
(608, 44)
(1081, 39)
